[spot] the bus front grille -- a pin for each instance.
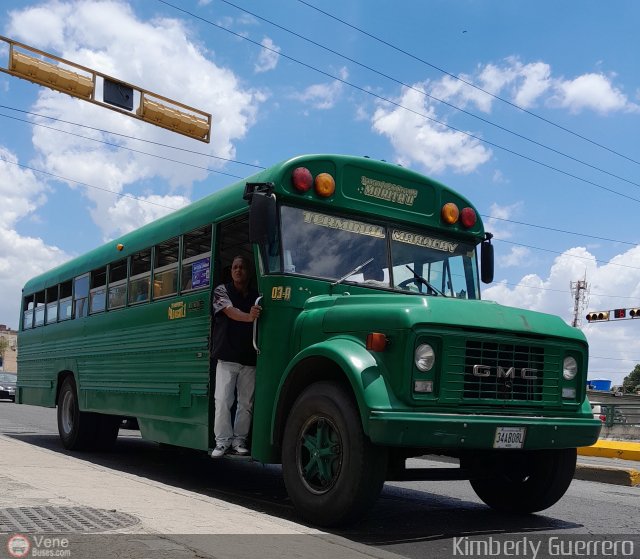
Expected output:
(503, 371)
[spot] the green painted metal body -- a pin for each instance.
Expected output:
(136, 362)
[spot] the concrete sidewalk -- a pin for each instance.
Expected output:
(167, 521)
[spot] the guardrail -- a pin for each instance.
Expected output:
(617, 414)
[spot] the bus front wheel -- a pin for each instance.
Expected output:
(521, 481)
(332, 472)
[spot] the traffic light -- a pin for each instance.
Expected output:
(634, 313)
(597, 316)
(173, 119)
(619, 313)
(50, 75)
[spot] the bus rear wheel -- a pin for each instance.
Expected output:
(332, 472)
(521, 481)
(80, 430)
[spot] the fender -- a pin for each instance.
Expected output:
(362, 371)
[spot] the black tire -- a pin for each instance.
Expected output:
(521, 481)
(76, 428)
(332, 472)
(81, 430)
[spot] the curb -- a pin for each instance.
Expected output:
(629, 477)
(612, 449)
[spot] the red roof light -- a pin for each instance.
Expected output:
(468, 217)
(302, 179)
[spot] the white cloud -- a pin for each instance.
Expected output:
(417, 139)
(84, 32)
(533, 83)
(131, 214)
(497, 223)
(21, 257)
(590, 92)
(611, 342)
(323, 96)
(516, 257)
(20, 190)
(268, 57)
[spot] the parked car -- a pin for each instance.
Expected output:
(601, 411)
(8, 386)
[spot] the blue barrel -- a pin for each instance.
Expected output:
(600, 384)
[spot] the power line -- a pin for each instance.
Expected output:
(527, 286)
(118, 146)
(430, 96)
(396, 104)
(142, 200)
(568, 255)
(614, 358)
(239, 162)
(66, 179)
(476, 87)
(560, 230)
(121, 135)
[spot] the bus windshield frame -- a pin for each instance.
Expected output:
(364, 252)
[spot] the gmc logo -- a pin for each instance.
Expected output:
(501, 372)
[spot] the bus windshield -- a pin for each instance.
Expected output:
(331, 247)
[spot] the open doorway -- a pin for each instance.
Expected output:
(231, 241)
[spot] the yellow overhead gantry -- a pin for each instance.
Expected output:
(62, 75)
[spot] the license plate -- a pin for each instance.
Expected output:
(509, 437)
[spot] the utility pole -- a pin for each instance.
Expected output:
(579, 290)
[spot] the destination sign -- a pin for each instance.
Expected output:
(423, 241)
(388, 191)
(350, 225)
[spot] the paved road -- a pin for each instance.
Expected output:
(412, 519)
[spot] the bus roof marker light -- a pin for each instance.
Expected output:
(325, 185)
(119, 247)
(301, 179)
(468, 217)
(450, 213)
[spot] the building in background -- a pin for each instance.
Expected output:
(9, 358)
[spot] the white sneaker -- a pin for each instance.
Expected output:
(219, 451)
(241, 449)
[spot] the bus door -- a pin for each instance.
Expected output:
(231, 240)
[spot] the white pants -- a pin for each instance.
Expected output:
(229, 377)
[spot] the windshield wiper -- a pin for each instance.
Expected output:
(424, 282)
(354, 271)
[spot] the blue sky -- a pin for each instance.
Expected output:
(568, 162)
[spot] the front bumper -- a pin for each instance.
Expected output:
(458, 431)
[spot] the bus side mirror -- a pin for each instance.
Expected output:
(262, 215)
(486, 260)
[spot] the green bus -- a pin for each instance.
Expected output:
(373, 344)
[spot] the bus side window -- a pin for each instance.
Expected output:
(196, 259)
(40, 308)
(81, 296)
(52, 304)
(27, 318)
(66, 301)
(117, 283)
(165, 268)
(140, 276)
(98, 293)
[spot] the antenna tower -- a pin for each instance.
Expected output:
(580, 293)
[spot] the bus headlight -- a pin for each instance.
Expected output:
(569, 368)
(424, 357)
